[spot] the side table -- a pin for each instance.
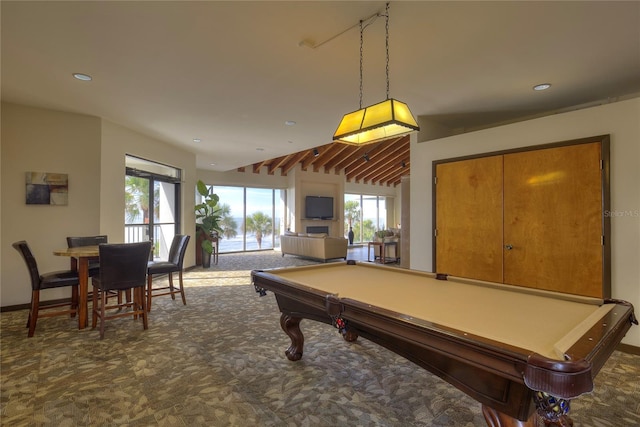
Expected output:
(383, 250)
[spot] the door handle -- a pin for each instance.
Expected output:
(508, 247)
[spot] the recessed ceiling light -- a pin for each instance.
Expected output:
(212, 164)
(197, 140)
(542, 86)
(83, 77)
(259, 149)
(290, 123)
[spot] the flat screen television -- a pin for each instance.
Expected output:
(318, 207)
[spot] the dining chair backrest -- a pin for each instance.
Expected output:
(178, 249)
(123, 265)
(47, 280)
(73, 242)
(94, 264)
(30, 260)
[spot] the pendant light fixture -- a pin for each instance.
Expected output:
(379, 121)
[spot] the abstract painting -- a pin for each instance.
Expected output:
(45, 188)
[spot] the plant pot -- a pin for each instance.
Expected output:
(206, 259)
(350, 236)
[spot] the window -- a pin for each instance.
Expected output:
(152, 208)
(365, 214)
(252, 218)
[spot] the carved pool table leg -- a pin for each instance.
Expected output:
(291, 326)
(498, 419)
(350, 336)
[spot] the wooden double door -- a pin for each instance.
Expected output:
(532, 218)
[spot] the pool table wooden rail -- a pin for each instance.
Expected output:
(501, 377)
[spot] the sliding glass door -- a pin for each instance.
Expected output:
(251, 218)
(152, 208)
(365, 214)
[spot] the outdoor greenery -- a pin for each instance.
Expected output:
(351, 212)
(368, 230)
(207, 215)
(259, 224)
(227, 223)
(137, 199)
(364, 230)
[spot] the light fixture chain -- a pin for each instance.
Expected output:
(361, 51)
(387, 45)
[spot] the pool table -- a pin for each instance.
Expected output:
(517, 351)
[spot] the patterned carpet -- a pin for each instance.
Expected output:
(219, 361)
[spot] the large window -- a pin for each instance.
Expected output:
(152, 208)
(365, 214)
(252, 218)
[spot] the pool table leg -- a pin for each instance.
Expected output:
(291, 326)
(498, 419)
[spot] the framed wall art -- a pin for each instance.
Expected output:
(46, 188)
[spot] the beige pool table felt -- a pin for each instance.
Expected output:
(540, 321)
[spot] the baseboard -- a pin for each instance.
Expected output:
(627, 348)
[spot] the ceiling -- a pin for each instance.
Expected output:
(231, 74)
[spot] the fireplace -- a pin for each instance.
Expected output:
(318, 229)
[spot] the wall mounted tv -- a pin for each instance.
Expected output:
(318, 207)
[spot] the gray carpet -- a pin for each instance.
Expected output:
(219, 361)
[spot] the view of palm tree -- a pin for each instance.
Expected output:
(227, 223)
(259, 224)
(351, 213)
(137, 200)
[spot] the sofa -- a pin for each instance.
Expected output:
(313, 245)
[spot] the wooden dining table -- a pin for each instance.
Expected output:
(83, 254)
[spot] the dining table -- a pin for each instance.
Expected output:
(83, 254)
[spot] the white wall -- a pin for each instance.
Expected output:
(117, 142)
(621, 120)
(42, 140)
(92, 152)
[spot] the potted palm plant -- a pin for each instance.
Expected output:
(207, 221)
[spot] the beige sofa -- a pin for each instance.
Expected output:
(313, 245)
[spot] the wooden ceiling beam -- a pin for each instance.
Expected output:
(276, 163)
(293, 160)
(329, 153)
(256, 166)
(377, 158)
(311, 158)
(392, 160)
(392, 175)
(384, 165)
(355, 156)
(385, 175)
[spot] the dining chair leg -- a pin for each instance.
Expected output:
(74, 300)
(184, 299)
(103, 300)
(127, 294)
(94, 307)
(33, 313)
(171, 288)
(149, 288)
(143, 308)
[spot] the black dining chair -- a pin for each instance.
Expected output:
(171, 265)
(123, 267)
(74, 242)
(94, 265)
(54, 279)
